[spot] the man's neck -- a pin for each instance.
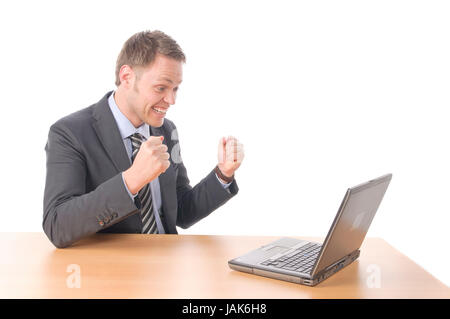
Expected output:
(121, 102)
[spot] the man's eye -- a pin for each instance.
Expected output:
(160, 89)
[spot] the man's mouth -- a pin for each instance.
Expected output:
(159, 110)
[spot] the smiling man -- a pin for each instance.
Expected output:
(116, 167)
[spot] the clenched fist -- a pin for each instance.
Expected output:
(151, 161)
(230, 155)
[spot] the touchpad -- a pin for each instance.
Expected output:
(277, 249)
(260, 255)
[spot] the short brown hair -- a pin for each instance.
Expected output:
(141, 49)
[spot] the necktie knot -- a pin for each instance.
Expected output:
(136, 141)
(137, 137)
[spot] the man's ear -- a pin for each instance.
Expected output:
(126, 76)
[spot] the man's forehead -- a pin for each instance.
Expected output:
(169, 79)
(161, 70)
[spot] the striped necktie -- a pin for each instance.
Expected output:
(147, 215)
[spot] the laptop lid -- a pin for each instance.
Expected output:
(352, 221)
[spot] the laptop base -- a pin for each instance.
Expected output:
(347, 260)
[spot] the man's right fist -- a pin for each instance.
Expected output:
(151, 161)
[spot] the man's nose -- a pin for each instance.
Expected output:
(170, 97)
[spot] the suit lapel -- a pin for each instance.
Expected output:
(106, 128)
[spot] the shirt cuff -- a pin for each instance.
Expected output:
(129, 193)
(223, 184)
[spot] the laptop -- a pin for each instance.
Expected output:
(309, 263)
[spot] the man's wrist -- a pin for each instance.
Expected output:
(225, 179)
(126, 187)
(131, 183)
(222, 181)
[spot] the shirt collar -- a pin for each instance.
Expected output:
(126, 128)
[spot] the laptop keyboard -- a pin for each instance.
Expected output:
(300, 260)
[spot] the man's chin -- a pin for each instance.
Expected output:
(156, 123)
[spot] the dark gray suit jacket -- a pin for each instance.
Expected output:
(84, 191)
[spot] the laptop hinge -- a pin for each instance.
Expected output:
(341, 263)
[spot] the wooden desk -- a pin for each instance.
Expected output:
(186, 266)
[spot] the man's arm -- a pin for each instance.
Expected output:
(69, 212)
(195, 203)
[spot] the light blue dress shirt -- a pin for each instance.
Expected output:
(126, 128)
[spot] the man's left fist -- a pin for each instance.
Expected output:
(230, 155)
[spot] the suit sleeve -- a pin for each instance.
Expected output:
(69, 212)
(195, 203)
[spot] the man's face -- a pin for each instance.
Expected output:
(154, 90)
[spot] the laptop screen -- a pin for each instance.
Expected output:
(352, 221)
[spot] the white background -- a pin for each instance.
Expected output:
(323, 94)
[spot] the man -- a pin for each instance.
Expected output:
(115, 166)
